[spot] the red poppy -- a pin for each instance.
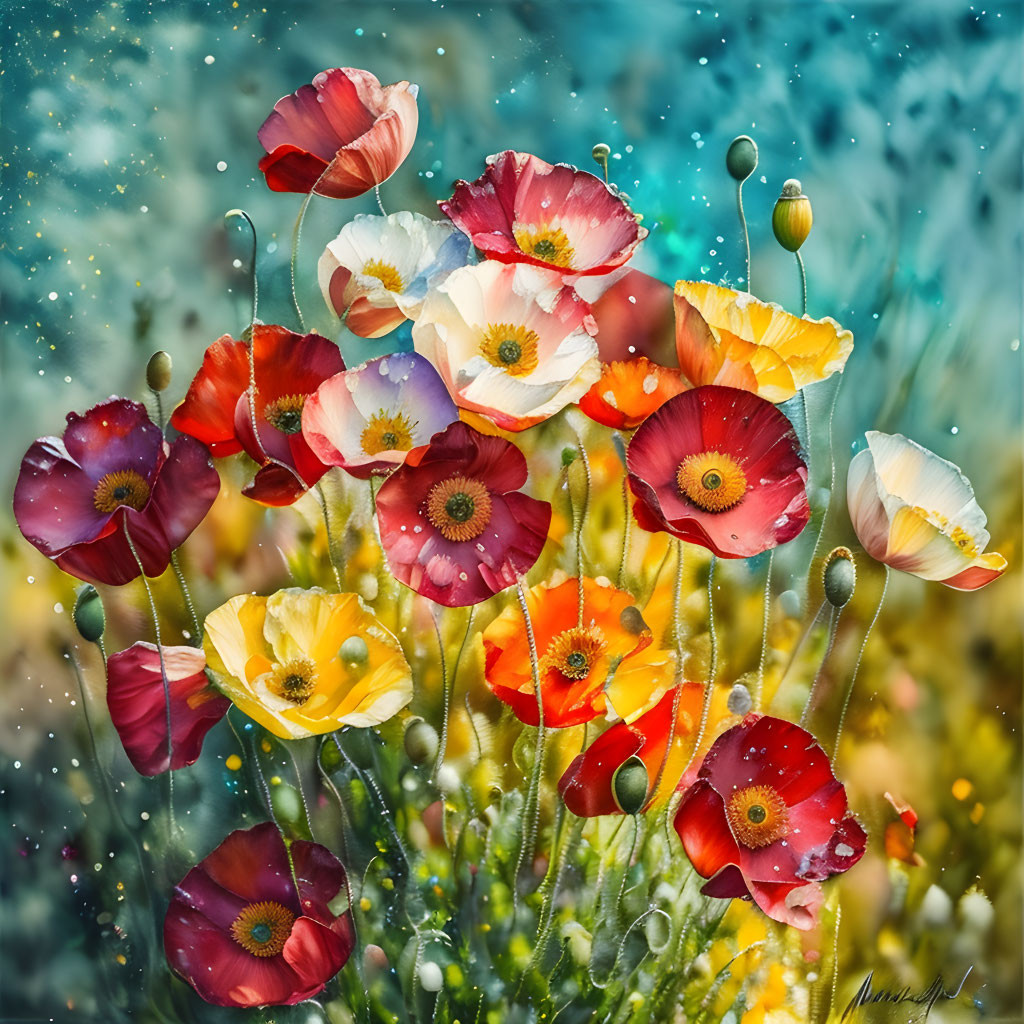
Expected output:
(719, 467)
(138, 705)
(454, 526)
(217, 408)
(767, 820)
(524, 210)
(586, 785)
(112, 472)
(251, 925)
(340, 136)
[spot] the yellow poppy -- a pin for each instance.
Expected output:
(304, 662)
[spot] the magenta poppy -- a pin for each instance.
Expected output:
(138, 705)
(251, 924)
(340, 136)
(454, 526)
(112, 472)
(217, 409)
(524, 210)
(767, 820)
(719, 467)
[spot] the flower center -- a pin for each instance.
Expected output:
(263, 928)
(957, 534)
(124, 487)
(387, 432)
(295, 680)
(386, 274)
(510, 348)
(574, 652)
(758, 816)
(285, 413)
(713, 481)
(545, 243)
(459, 508)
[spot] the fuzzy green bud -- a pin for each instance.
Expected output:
(158, 371)
(286, 803)
(629, 785)
(741, 158)
(839, 577)
(569, 456)
(792, 217)
(354, 651)
(421, 741)
(90, 620)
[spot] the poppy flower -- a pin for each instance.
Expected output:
(586, 785)
(340, 136)
(375, 273)
(453, 523)
(524, 210)
(731, 338)
(368, 418)
(138, 705)
(218, 411)
(916, 512)
(305, 662)
(112, 475)
(580, 657)
(628, 391)
(767, 820)
(251, 924)
(512, 343)
(721, 468)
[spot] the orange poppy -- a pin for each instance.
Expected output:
(629, 391)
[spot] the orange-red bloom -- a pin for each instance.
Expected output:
(629, 391)
(340, 136)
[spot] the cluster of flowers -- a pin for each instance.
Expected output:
(522, 304)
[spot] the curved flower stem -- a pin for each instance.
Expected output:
(448, 684)
(252, 267)
(743, 224)
(380, 204)
(759, 689)
(856, 667)
(713, 661)
(833, 627)
(159, 402)
(803, 280)
(832, 475)
(629, 862)
(579, 523)
(330, 535)
(197, 634)
(296, 237)
(626, 517)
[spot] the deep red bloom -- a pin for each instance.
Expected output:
(586, 785)
(340, 136)
(247, 928)
(112, 471)
(721, 468)
(767, 819)
(217, 408)
(454, 526)
(524, 210)
(138, 706)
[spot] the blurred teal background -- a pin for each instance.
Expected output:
(129, 129)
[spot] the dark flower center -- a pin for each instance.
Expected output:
(459, 508)
(285, 414)
(756, 813)
(757, 816)
(387, 432)
(510, 351)
(712, 480)
(123, 487)
(295, 681)
(263, 928)
(574, 652)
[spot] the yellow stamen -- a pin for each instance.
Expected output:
(510, 348)
(295, 680)
(387, 432)
(574, 652)
(957, 534)
(459, 508)
(545, 243)
(713, 481)
(285, 414)
(263, 928)
(124, 487)
(758, 816)
(386, 274)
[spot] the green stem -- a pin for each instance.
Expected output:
(803, 280)
(197, 634)
(743, 224)
(626, 517)
(330, 536)
(713, 661)
(759, 689)
(833, 627)
(296, 236)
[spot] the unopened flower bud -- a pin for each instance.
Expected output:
(88, 614)
(839, 577)
(741, 158)
(431, 978)
(569, 456)
(354, 650)
(629, 785)
(792, 216)
(740, 701)
(600, 153)
(158, 371)
(286, 803)
(375, 960)
(421, 741)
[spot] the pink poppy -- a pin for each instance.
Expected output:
(454, 526)
(767, 820)
(340, 136)
(138, 705)
(112, 472)
(719, 467)
(524, 210)
(251, 924)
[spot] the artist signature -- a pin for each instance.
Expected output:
(866, 995)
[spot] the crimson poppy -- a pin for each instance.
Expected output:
(719, 467)
(138, 705)
(453, 523)
(340, 136)
(767, 820)
(219, 411)
(525, 210)
(112, 476)
(251, 924)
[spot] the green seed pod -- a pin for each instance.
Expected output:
(658, 931)
(629, 785)
(421, 741)
(88, 614)
(741, 158)
(601, 152)
(330, 756)
(632, 621)
(286, 803)
(839, 577)
(354, 651)
(158, 371)
(792, 216)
